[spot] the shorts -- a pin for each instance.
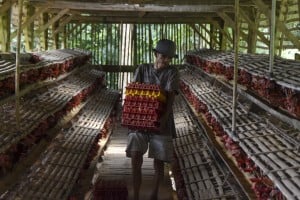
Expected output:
(160, 146)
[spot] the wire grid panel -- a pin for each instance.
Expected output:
(274, 153)
(203, 177)
(59, 167)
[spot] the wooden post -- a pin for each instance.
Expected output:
(55, 37)
(64, 41)
(235, 75)
(17, 72)
(253, 29)
(280, 25)
(43, 34)
(272, 34)
(5, 20)
(29, 29)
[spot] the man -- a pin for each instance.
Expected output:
(160, 143)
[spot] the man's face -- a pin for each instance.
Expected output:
(162, 60)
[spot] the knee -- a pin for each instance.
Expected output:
(136, 158)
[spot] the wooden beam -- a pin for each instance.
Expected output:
(5, 36)
(137, 14)
(211, 36)
(235, 67)
(55, 37)
(225, 33)
(281, 26)
(76, 5)
(29, 30)
(44, 35)
(252, 34)
(279, 40)
(176, 20)
(2, 35)
(231, 23)
(164, 2)
(120, 68)
(17, 71)
(37, 13)
(53, 20)
(253, 27)
(62, 24)
(197, 31)
(5, 6)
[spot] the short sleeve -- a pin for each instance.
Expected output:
(138, 74)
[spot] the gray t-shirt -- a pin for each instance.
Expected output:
(167, 78)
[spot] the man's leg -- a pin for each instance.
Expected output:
(136, 163)
(158, 177)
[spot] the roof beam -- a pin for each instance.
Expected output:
(213, 37)
(224, 32)
(231, 23)
(136, 14)
(62, 24)
(75, 5)
(176, 20)
(30, 20)
(253, 26)
(281, 26)
(164, 2)
(7, 5)
(197, 31)
(53, 20)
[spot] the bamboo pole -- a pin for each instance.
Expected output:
(17, 72)
(98, 32)
(150, 43)
(235, 75)
(272, 37)
(135, 61)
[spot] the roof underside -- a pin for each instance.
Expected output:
(145, 11)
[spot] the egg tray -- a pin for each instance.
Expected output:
(143, 107)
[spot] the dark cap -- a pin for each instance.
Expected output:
(166, 47)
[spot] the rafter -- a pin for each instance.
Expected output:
(76, 5)
(279, 40)
(63, 23)
(53, 20)
(281, 26)
(197, 31)
(208, 31)
(224, 32)
(31, 19)
(133, 19)
(230, 22)
(7, 5)
(253, 26)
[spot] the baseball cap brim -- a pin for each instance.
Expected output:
(171, 56)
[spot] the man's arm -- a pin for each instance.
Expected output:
(170, 96)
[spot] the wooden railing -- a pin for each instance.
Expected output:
(117, 77)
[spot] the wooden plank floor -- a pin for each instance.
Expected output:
(116, 166)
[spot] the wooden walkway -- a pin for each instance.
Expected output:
(116, 166)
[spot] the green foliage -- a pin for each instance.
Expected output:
(114, 44)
